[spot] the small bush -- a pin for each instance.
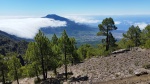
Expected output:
(130, 71)
(37, 81)
(136, 63)
(146, 66)
(147, 44)
(117, 75)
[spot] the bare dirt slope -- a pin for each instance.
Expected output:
(114, 69)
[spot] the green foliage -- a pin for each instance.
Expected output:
(67, 45)
(112, 40)
(125, 44)
(145, 36)
(82, 51)
(147, 44)
(87, 51)
(64, 43)
(3, 69)
(37, 81)
(32, 59)
(146, 66)
(131, 39)
(9, 44)
(13, 67)
(102, 51)
(92, 52)
(54, 39)
(105, 28)
(134, 35)
(147, 31)
(45, 52)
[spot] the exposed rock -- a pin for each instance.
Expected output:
(141, 71)
(120, 51)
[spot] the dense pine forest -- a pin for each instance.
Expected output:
(21, 59)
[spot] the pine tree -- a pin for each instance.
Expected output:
(32, 59)
(43, 44)
(73, 49)
(65, 46)
(105, 27)
(13, 66)
(145, 36)
(57, 59)
(54, 39)
(133, 34)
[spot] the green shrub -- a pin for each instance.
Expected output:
(37, 81)
(147, 44)
(130, 71)
(146, 66)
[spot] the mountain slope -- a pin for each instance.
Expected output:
(71, 25)
(11, 43)
(81, 32)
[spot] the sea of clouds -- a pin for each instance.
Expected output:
(27, 27)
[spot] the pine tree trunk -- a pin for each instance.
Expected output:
(136, 44)
(72, 60)
(107, 43)
(65, 63)
(36, 72)
(55, 71)
(3, 76)
(16, 73)
(46, 73)
(42, 62)
(46, 67)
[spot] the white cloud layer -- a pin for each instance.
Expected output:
(141, 25)
(117, 22)
(27, 27)
(80, 19)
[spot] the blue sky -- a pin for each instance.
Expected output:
(73, 7)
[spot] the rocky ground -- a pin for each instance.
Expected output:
(114, 69)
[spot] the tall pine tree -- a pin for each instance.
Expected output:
(65, 46)
(44, 49)
(105, 27)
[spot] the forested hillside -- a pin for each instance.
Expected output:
(10, 43)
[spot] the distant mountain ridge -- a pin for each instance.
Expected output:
(56, 17)
(70, 28)
(81, 32)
